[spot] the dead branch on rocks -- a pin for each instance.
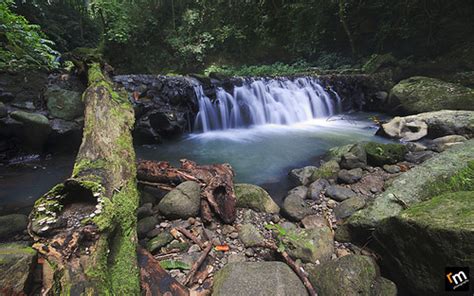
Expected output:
(216, 182)
(197, 264)
(272, 246)
(191, 236)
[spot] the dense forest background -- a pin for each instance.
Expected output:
(178, 36)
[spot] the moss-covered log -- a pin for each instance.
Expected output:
(85, 228)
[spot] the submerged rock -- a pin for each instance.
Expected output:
(418, 244)
(257, 278)
(181, 202)
(16, 266)
(256, 198)
(349, 275)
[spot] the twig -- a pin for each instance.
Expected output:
(159, 185)
(401, 202)
(191, 236)
(197, 264)
(293, 266)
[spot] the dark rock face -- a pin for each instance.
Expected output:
(165, 106)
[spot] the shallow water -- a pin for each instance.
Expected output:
(264, 154)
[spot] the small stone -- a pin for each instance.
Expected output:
(191, 220)
(276, 218)
(249, 252)
(342, 252)
(194, 249)
(234, 235)
(391, 169)
(339, 193)
(165, 224)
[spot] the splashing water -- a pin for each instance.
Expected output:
(265, 101)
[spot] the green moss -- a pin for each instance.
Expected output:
(326, 170)
(86, 164)
(380, 154)
(463, 180)
(174, 264)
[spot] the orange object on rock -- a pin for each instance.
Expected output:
(223, 248)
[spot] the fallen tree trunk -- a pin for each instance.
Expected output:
(216, 183)
(85, 227)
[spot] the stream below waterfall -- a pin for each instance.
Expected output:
(264, 154)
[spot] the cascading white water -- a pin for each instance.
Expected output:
(265, 101)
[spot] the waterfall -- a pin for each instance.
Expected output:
(265, 101)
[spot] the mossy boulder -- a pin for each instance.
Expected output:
(381, 154)
(311, 244)
(159, 241)
(255, 197)
(326, 170)
(356, 157)
(412, 187)
(423, 94)
(16, 266)
(418, 244)
(257, 278)
(181, 202)
(250, 236)
(63, 103)
(302, 176)
(349, 275)
(378, 62)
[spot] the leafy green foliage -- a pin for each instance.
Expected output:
(461, 181)
(22, 45)
(174, 264)
(285, 238)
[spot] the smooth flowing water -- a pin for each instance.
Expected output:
(265, 101)
(264, 154)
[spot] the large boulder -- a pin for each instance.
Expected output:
(257, 278)
(407, 189)
(64, 104)
(356, 157)
(430, 124)
(418, 244)
(349, 275)
(35, 130)
(326, 170)
(16, 266)
(256, 198)
(181, 202)
(423, 94)
(12, 224)
(311, 244)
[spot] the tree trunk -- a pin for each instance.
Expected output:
(85, 228)
(342, 18)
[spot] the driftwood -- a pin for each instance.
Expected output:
(155, 280)
(85, 227)
(197, 264)
(216, 182)
(272, 246)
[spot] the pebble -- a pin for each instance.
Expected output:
(164, 225)
(342, 252)
(234, 235)
(191, 221)
(275, 218)
(194, 249)
(249, 252)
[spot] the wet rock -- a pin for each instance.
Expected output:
(302, 176)
(145, 225)
(159, 241)
(391, 168)
(64, 104)
(440, 228)
(355, 158)
(256, 198)
(295, 207)
(380, 154)
(35, 130)
(349, 176)
(257, 278)
(12, 224)
(16, 267)
(339, 193)
(311, 244)
(181, 202)
(301, 191)
(348, 275)
(250, 236)
(315, 188)
(415, 147)
(419, 157)
(349, 207)
(423, 94)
